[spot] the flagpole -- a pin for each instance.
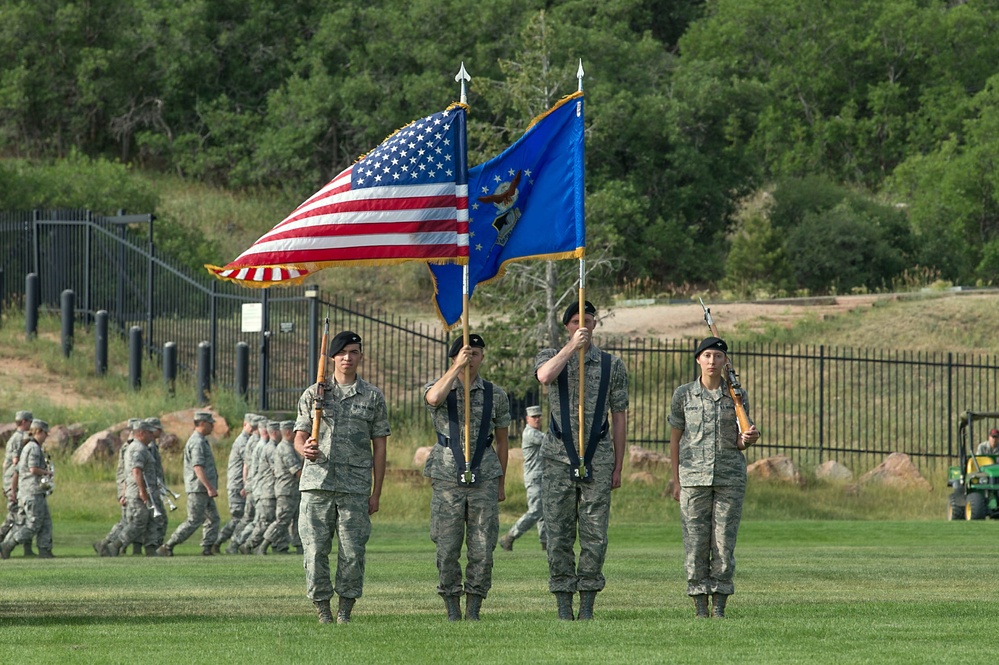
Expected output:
(582, 322)
(461, 77)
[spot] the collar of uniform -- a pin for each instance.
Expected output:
(699, 388)
(593, 354)
(476, 384)
(346, 390)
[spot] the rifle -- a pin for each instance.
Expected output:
(734, 387)
(317, 415)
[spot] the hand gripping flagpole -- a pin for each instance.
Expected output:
(461, 77)
(582, 319)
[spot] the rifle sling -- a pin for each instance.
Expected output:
(565, 425)
(482, 441)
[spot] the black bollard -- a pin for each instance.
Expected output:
(135, 357)
(242, 369)
(101, 341)
(67, 302)
(32, 299)
(170, 367)
(204, 372)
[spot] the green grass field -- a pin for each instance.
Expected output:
(807, 591)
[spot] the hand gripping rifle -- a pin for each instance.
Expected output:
(317, 407)
(734, 387)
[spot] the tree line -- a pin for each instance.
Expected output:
(763, 146)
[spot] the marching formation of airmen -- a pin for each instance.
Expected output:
(291, 491)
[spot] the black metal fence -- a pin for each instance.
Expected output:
(811, 403)
(110, 263)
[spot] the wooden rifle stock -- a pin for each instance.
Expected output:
(317, 415)
(734, 387)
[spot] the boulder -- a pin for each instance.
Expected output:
(170, 444)
(643, 478)
(6, 429)
(100, 446)
(181, 424)
(897, 471)
(833, 471)
(64, 438)
(647, 460)
(421, 456)
(776, 469)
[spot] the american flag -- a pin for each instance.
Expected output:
(406, 200)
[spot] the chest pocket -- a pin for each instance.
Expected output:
(362, 410)
(693, 416)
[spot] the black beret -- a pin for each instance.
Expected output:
(343, 339)
(573, 309)
(710, 343)
(473, 341)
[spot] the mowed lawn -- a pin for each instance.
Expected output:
(807, 592)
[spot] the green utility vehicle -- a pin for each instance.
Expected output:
(976, 477)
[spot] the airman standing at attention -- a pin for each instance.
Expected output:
(464, 507)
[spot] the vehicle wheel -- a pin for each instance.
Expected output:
(954, 511)
(976, 508)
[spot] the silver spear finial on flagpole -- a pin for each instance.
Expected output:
(461, 77)
(579, 75)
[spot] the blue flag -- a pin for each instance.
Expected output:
(525, 203)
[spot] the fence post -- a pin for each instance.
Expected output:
(32, 295)
(822, 400)
(204, 372)
(67, 303)
(101, 342)
(242, 368)
(3, 296)
(170, 367)
(135, 357)
(950, 404)
(264, 353)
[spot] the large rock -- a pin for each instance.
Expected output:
(65, 438)
(181, 424)
(100, 446)
(646, 478)
(170, 444)
(897, 471)
(421, 455)
(6, 429)
(647, 460)
(834, 472)
(777, 469)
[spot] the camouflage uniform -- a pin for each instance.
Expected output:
(530, 446)
(263, 492)
(712, 485)
(245, 527)
(460, 513)
(157, 525)
(34, 519)
(234, 487)
(120, 479)
(336, 487)
(137, 527)
(569, 505)
(286, 465)
(201, 510)
(13, 453)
